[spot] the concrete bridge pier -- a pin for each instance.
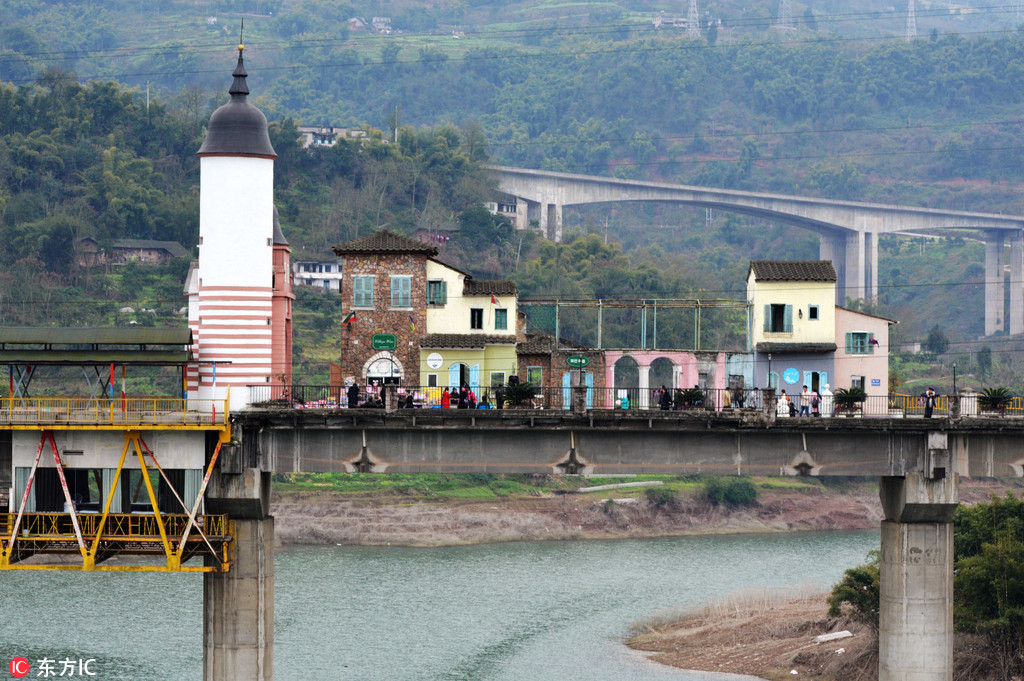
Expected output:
(915, 636)
(238, 606)
(995, 291)
(1016, 283)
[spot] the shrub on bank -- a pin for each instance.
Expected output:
(660, 496)
(730, 491)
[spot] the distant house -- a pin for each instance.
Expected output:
(327, 135)
(356, 24)
(381, 25)
(325, 274)
(147, 251)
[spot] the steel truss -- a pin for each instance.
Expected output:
(98, 537)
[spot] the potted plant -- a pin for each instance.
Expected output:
(994, 400)
(519, 395)
(849, 401)
(690, 398)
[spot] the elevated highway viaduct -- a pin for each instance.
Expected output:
(918, 461)
(848, 230)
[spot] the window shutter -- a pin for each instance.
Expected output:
(767, 318)
(849, 343)
(444, 293)
(788, 322)
(871, 346)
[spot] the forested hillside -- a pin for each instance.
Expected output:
(836, 105)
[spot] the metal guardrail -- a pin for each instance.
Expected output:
(894, 405)
(115, 412)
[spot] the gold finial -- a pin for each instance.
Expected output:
(241, 47)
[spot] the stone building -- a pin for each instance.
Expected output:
(414, 321)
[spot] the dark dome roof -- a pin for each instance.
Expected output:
(238, 128)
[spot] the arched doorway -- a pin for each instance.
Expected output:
(627, 378)
(383, 369)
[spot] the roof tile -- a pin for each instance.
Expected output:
(384, 241)
(793, 270)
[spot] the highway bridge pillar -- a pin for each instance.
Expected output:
(915, 636)
(855, 270)
(238, 605)
(1016, 283)
(994, 282)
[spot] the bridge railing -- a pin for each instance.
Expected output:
(114, 412)
(894, 405)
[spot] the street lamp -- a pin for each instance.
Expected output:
(769, 370)
(954, 378)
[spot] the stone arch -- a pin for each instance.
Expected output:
(396, 365)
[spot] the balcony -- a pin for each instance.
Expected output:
(148, 413)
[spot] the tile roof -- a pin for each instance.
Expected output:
(544, 344)
(464, 340)
(793, 270)
(805, 348)
(482, 287)
(175, 249)
(384, 241)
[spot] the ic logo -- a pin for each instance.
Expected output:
(18, 667)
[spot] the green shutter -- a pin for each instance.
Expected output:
(788, 319)
(444, 292)
(849, 343)
(767, 318)
(871, 346)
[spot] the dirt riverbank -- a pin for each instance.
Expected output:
(323, 517)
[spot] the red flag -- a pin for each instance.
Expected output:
(494, 301)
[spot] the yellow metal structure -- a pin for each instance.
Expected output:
(117, 413)
(97, 537)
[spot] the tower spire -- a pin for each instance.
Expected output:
(238, 84)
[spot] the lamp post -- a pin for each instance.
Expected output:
(769, 370)
(954, 378)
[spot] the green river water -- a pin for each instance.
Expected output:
(543, 611)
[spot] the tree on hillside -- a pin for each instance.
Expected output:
(937, 341)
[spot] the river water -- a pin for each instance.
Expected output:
(543, 611)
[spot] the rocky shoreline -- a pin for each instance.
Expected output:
(324, 517)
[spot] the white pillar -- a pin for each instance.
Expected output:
(552, 221)
(872, 263)
(832, 247)
(645, 386)
(853, 282)
(1016, 283)
(994, 283)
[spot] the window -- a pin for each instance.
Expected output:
(437, 292)
(476, 318)
(431, 380)
(812, 312)
(535, 375)
(500, 319)
(860, 343)
(778, 318)
(497, 378)
(362, 291)
(735, 381)
(857, 382)
(773, 379)
(401, 291)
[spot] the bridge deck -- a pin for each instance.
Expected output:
(87, 413)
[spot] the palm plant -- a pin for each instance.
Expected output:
(995, 399)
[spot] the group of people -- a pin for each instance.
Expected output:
(463, 397)
(736, 398)
(808, 403)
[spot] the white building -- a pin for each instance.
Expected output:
(325, 274)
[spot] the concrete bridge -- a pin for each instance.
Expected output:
(919, 462)
(848, 230)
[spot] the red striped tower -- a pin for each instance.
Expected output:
(231, 289)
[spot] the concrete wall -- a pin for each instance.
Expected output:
(102, 449)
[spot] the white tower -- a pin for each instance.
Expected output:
(231, 288)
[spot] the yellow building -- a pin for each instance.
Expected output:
(471, 330)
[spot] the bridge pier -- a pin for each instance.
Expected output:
(238, 605)
(995, 291)
(1016, 283)
(915, 633)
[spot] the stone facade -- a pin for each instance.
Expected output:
(408, 324)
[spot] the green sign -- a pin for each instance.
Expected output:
(384, 341)
(577, 361)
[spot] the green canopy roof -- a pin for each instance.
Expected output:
(82, 346)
